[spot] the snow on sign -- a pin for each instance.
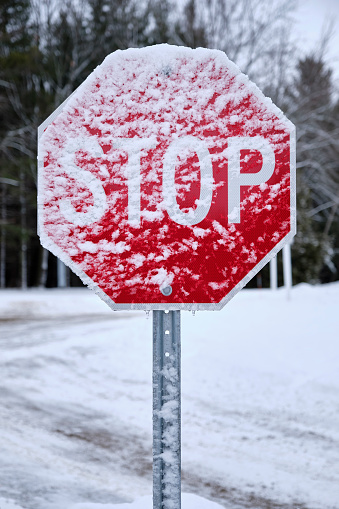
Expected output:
(166, 180)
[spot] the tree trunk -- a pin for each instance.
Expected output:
(3, 238)
(62, 274)
(23, 213)
(43, 268)
(330, 219)
(287, 269)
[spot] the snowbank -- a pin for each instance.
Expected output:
(188, 501)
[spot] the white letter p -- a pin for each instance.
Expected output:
(237, 179)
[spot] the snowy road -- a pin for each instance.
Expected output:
(260, 391)
(59, 442)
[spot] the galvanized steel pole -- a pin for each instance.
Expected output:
(274, 273)
(166, 410)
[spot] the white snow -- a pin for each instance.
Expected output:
(260, 405)
(5, 503)
(189, 501)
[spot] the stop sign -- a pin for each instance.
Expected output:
(166, 180)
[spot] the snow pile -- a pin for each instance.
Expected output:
(188, 501)
(6, 503)
(37, 304)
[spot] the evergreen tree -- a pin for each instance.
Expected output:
(318, 168)
(116, 24)
(190, 28)
(17, 87)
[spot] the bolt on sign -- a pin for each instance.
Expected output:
(166, 180)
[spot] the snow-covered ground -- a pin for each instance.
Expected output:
(260, 402)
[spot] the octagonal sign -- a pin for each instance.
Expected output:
(166, 180)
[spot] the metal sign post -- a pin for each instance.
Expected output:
(166, 410)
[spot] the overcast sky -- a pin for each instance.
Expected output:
(311, 17)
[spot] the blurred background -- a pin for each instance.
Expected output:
(288, 49)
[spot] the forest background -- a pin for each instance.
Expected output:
(48, 48)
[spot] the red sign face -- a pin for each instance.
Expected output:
(167, 180)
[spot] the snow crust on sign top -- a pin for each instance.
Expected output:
(114, 210)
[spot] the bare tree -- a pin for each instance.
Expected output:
(255, 34)
(4, 183)
(315, 114)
